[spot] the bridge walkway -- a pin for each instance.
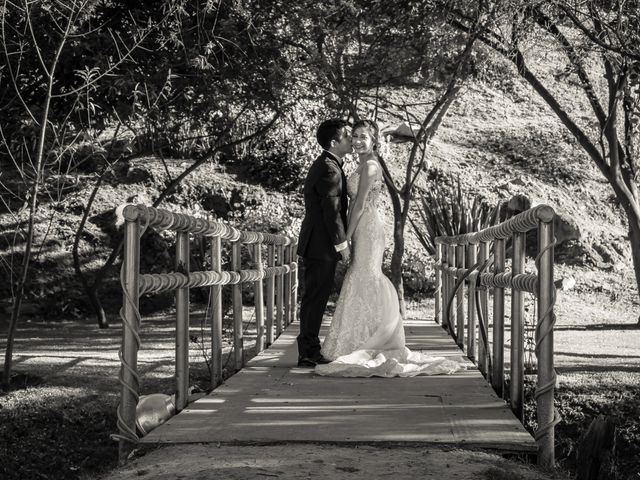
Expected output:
(272, 401)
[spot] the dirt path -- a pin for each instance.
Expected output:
(285, 462)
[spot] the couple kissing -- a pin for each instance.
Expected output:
(343, 222)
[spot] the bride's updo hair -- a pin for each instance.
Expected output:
(373, 129)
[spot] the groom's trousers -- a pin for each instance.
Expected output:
(318, 282)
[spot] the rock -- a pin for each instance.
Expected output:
(121, 146)
(565, 284)
(138, 175)
(518, 204)
(215, 202)
(518, 181)
(619, 266)
(139, 198)
(153, 410)
(566, 229)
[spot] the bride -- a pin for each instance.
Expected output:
(366, 337)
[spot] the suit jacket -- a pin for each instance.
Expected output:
(325, 210)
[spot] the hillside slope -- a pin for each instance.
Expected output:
(499, 139)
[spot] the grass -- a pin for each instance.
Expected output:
(53, 432)
(580, 398)
(57, 421)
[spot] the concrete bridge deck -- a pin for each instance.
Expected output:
(272, 401)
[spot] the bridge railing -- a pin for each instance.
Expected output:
(477, 262)
(281, 298)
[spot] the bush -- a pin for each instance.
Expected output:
(277, 169)
(447, 211)
(280, 158)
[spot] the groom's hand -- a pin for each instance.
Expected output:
(346, 254)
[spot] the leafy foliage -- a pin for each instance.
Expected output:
(446, 210)
(280, 158)
(579, 400)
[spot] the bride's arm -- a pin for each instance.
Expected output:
(367, 176)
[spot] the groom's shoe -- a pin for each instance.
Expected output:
(306, 362)
(321, 360)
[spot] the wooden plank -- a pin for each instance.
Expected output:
(273, 401)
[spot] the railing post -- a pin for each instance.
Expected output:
(287, 287)
(130, 341)
(451, 280)
(516, 382)
(471, 303)
(216, 316)
(182, 323)
(238, 337)
(438, 274)
(497, 375)
(444, 283)
(544, 347)
(279, 291)
(271, 262)
(460, 298)
(258, 300)
(483, 328)
(294, 283)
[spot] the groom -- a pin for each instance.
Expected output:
(322, 240)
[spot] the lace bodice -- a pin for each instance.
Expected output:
(375, 190)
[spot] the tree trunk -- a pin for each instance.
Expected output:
(398, 236)
(634, 240)
(396, 262)
(595, 451)
(91, 291)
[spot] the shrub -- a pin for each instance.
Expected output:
(447, 211)
(276, 168)
(279, 159)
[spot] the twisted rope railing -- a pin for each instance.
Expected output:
(521, 223)
(453, 253)
(525, 282)
(179, 222)
(281, 298)
(163, 282)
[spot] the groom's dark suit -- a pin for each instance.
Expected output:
(323, 228)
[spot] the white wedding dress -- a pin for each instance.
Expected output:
(366, 336)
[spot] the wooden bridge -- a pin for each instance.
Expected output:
(272, 401)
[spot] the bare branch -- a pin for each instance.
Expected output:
(575, 59)
(33, 37)
(12, 75)
(595, 38)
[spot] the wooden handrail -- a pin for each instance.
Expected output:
(134, 283)
(456, 262)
